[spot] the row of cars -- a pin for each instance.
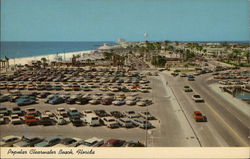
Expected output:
(198, 116)
(99, 117)
(79, 98)
(71, 75)
(59, 141)
(99, 98)
(234, 82)
(128, 86)
(245, 74)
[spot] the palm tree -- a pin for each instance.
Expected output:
(44, 60)
(7, 61)
(237, 55)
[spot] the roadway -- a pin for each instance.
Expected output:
(226, 126)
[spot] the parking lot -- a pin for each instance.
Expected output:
(84, 131)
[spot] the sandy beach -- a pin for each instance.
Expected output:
(49, 57)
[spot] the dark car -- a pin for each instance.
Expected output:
(18, 111)
(107, 101)
(4, 98)
(50, 141)
(101, 113)
(28, 142)
(45, 120)
(4, 111)
(83, 100)
(76, 121)
(71, 100)
(133, 144)
(114, 143)
(116, 114)
(56, 100)
(44, 94)
(25, 101)
(68, 141)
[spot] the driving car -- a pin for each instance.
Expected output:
(197, 98)
(199, 117)
(187, 89)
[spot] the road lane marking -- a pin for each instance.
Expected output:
(226, 124)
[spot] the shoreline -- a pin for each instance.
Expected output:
(49, 57)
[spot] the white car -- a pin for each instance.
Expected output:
(92, 142)
(110, 122)
(197, 98)
(85, 112)
(131, 114)
(130, 102)
(60, 120)
(15, 119)
(8, 141)
(62, 112)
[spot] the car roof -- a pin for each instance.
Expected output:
(53, 137)
(93, 139)
(9, 137)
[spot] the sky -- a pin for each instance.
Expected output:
(108, 20)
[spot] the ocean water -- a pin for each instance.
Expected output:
(27, 49)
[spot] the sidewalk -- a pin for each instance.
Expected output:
(180, 114)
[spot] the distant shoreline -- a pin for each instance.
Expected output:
(49, 57)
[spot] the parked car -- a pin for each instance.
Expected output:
(4, 111)
(60, 120)
(106, 101)
(28, 142)
(133, 144)
(142, 123)
(131, 114)
(56, 100)
(76, 121)
(30, 120)
(114, 143)
(25, 101)
(49, 141)
(4, 98)
(131, 102)
(101, 113)
(8, 141)
(92, 142)
(3, 119)
(15, 119)
(18, 111)
(68, 142)
(73, 113)
(43, 94)
(146, 115)
(110, 122)
(45, 120)
(116, 114)
(125, 122)
(83, 100)
(32, 111)
(118, 102)
(61, 112)
(92, 120)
